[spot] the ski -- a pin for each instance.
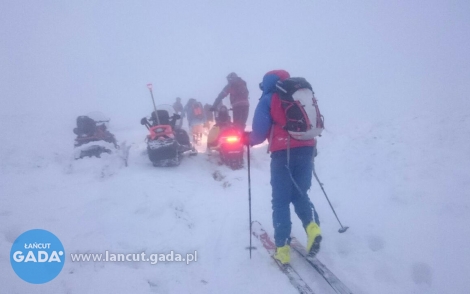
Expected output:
(294, 278)
(330, 278)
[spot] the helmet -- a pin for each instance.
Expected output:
(222, 108)
(222, 115)
(231, 76)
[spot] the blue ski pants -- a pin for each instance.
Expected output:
(284, 190)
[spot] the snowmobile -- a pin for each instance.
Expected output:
(166, 143)
(93, 137)
(226, 138)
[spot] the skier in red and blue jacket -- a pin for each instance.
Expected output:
(291, 169)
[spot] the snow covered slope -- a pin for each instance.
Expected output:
(401, 185)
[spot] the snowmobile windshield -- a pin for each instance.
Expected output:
(165, 114)
(166, 107)
(99, 118)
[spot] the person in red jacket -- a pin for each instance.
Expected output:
(291, 168)
(238, 92)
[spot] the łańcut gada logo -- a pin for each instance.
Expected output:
(37, 256)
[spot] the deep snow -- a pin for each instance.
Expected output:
(401, 185)
(392, 81)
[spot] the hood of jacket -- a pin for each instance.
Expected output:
(270, 79)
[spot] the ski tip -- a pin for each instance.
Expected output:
(257, 228)
(256, 225)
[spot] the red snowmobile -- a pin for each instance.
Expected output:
(166, 144)
(93, 138)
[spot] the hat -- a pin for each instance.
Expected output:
(232, 76)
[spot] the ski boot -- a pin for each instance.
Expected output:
(314, 238)
(283, 254)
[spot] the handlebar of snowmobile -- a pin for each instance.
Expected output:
(144, 121)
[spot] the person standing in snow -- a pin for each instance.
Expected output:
(196, 119)
(178, 108)
(291, 168)
(238, 91)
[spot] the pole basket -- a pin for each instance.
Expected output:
(149, 86)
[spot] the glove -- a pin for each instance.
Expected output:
(212, 108)
(246, 138)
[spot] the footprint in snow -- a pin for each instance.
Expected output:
(343, 248)
(421, 273)
(218, 176)
(153, 286)
(375, 243)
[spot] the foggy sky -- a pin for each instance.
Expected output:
(366, 60)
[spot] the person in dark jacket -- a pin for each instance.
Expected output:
(236, 88)
(178, 106)
(291, 169)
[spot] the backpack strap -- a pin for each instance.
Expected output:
(288, 152)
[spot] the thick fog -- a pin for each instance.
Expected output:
(393, 82)
(366, 60)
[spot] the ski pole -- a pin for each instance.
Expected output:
(249, 196)
(249, 190)
(153, 100)
(343, 229)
